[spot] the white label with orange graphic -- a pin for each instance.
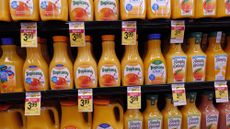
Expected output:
(51, 7)
(133, 74)
(107, 6)
(22, 7)
(109, 75)
(86, 76)
(209, 7)
(220, 66)
(157, 72)
(81, 9)
(198, 68)
(179, 68)
(7, 78)
(33, 104)
(160, 7)
(186, 7)
(134, 7)
(212, 120)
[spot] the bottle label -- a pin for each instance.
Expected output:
(220, 66)
(22, 7)
(161, 7)
(133, 74)
(81, 9)
(85, 76)
(70, 127)
(104, 126)
(198, 68)
(209, 7)
(134, 7)
(108, 9)
(227, 6)
(186, 7)
(174, 122)
(8, 78)
(212, 121)
(157, 72)
(109, 75)
(50, 7)
(155, 123)
(60, 77)
(193, 122)
(179, 68)
(34, 77)
(135, 124)
(228, 120)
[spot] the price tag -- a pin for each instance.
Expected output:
(85, 100)
(77, 34)
(177, 31)
(29, 34)
(134, 97)
(221, 91)
(33, 103)
(218, 36)
(179, 94)
(129, 32)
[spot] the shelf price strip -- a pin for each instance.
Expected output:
(77, 34)
(178, 94)
(221, 91)
(134, 97)
(129, 32)
(33, 103)
(85, 100)
(177, 31)
(28, 34)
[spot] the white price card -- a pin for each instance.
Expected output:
(218, 36)
(77, 34)
(134, 97)
(179, 94)
(177, 31)
(221, 91)
(33, 103)
(28, 34)
(85, 100)
(129, 33)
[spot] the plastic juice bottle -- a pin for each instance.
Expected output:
(85, 66)
(223, 8)
(109, 65)
(176, 61)
(158, 9)
(133, 118)
(61, 67)
(172, 117)
(224, 118)
(216, 60)
(154, 62)
(81, 10)
(11, 68)
(183, 9)
(206, 8)
(24, 10)
(191, 116)
(133, 9)
(53, 10)
(45, 50)
(196, 59)
(35, 70)
(227, 50)
(4, 10)
(106, 10)
(209, 114)
(153, 118)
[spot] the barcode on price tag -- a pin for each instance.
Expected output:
(134, 97)
(33, 103)
(29, 34)
(221, 91)
(77, 34)
(129, 32)
(177, 31)
(85, 100)
(179, 94)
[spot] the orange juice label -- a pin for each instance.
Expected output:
(193, 121)
(179, 68)
(50, 7)
(109, 75)
(174, 122)
(133, 74)
(107, 9)
(22, 7)
(134, 7)
(135, 124)
(227, 6)
(209, 7)
(85, 75)
(157, 72)
(81, 9)
(198, 68)
(227, 117)
(220, 66)
(7, 78)
(155, 123)
(212, 120)
(34, 77)
(70, 127)
(60, 76)
(160, 7)
(186, 7)
(104, 126)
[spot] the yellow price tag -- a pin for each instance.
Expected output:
(179, 94)
(129, 32)
(33, 103)
(77, 34)
(221, 91)
(85, 100)
(134, 97)
(177, 31)
(28, 34)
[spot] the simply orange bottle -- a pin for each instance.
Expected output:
(24, 10)
(5, 10)
(158, 9)
(206, 8)
(61, 67)
(106, 10)
(133, 118)
(85, 66)
(53, 10)
(227, 50)
(183, 9)
(109, 65)
(223, 8)
(35, 70)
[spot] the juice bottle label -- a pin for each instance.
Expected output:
(133, 74)
(8, 78)
(193, 122)
(50, 7)
(135, 124)
(212, 121)
(81, 9)
(198, 68)
(60, 76)
(228, 120)
(134, 7)
(160, 7)
(85, 76)
(179, 68)
(107, 9)
(104, 126)
(186, 7)
(70, 127)
(220, 66)
(209, 7)
(155, 123)
(227, 6)
(157, 72)
(34, 77)
(174, 122)
(22, 7)
(109, 75)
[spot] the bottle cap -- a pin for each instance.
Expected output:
(108, 37)
(152, 97)
(196, 34)
(59, 38)
(7, 41)
(154, 36)
(88, 38)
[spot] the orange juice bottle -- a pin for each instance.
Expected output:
(4, 10)
(227, 50)
(133, 119)
(196, 69)
(53, 10)
(176, 61)
(206, 8)
(223, 8)
(191, 116)
(216, 60)
(109, 65)
(61, 67)
(81, 10)
(106, 10)
(158, 9)
(224, 118)
(183, 8)
(24, 10)
(45, 50)
(172, 117)
(11, 68)
(153, 118)
(35, 70)
(85, 66)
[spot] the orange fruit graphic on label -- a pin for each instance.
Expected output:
(179, 75)
(227, 5)
(84, 81)
(108, 80)
(209, 5)
(107, 13)
(132, 79)
(186, 6)
(79, 14)
(61, 81)
(198, 74)
(35, 82)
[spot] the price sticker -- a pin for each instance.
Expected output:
(77, 34)
(177, 31)
(29, 34)
(129, 32)
(221, 91)
(33, 103)
(218, 37)
(134, 97)
(179, 94)
(85, 100)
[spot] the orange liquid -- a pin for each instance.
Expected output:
(223, 8)
(227, 50)
(162, 11)
(206, 8)
(183, 9)
(133, 118)
(4, 10)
